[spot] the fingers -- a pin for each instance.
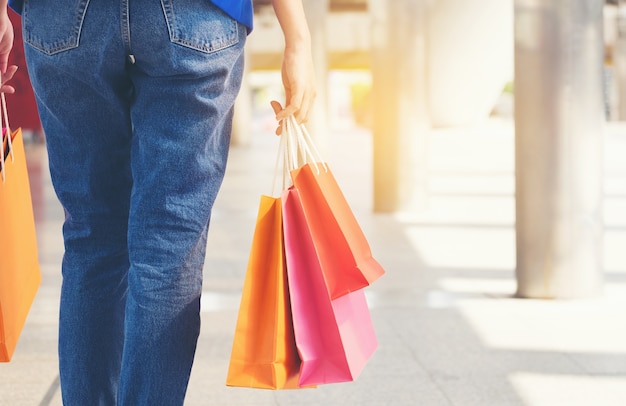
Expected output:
(7, 76)
(299, 105)
(277, 107)
(306, 104)
(289, 108)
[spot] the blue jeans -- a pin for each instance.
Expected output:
(136, 100)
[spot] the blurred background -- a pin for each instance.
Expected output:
(482, 147)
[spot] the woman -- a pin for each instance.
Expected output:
(136, 101)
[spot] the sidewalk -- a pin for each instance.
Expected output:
(450, 333)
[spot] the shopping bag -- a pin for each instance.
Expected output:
(344, 253)
(264, 353)
(20, 276)
(335, 337)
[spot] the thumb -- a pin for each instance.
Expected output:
(276, 106)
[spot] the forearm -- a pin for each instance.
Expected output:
(6, 37)
(297, 68)
(292, 20)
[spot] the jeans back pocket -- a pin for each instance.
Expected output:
(200, 25)
(53, 26)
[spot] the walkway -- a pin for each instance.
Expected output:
(450, 333)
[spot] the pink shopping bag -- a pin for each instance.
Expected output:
(335, 337)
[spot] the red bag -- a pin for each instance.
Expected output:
(343, 251)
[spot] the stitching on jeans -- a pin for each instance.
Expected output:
(216, 44)
(223, 44)
(61, 45)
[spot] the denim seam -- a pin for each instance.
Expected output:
(215, 46)
(125, 24)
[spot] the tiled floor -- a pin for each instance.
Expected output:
(450, 333)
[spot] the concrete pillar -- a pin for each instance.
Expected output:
(559, 122)
(317, 14)
(470, 58)
(401, 120)
(619, 60)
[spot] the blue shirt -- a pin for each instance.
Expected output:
(16, 5)
(240, 10)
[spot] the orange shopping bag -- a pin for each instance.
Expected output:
(264, 353)
(19, 265)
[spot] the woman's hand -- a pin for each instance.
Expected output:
(7, 76)
(277, 109)
(297, 69)
(6, 45)
(299, 81)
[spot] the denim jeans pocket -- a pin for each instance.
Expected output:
(53, 26)
(199, 25)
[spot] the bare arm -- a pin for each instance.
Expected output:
(297, 69)
(6, 44)
(6, 36)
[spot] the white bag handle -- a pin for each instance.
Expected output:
(296, 149)
(303, 149)
(5, 116)
(282, 160)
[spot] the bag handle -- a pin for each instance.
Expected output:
(284, 154)
(303, 150)
(296, 148)
(6, 132)
(287, 157)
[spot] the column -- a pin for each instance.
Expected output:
(401, 121)
(619, 60)
(316, 13)
(559, 124)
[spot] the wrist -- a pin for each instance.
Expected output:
(301, 44)
(298, 41)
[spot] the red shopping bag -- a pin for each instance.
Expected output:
(264, 353)
(335, 337)
(343, 251)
